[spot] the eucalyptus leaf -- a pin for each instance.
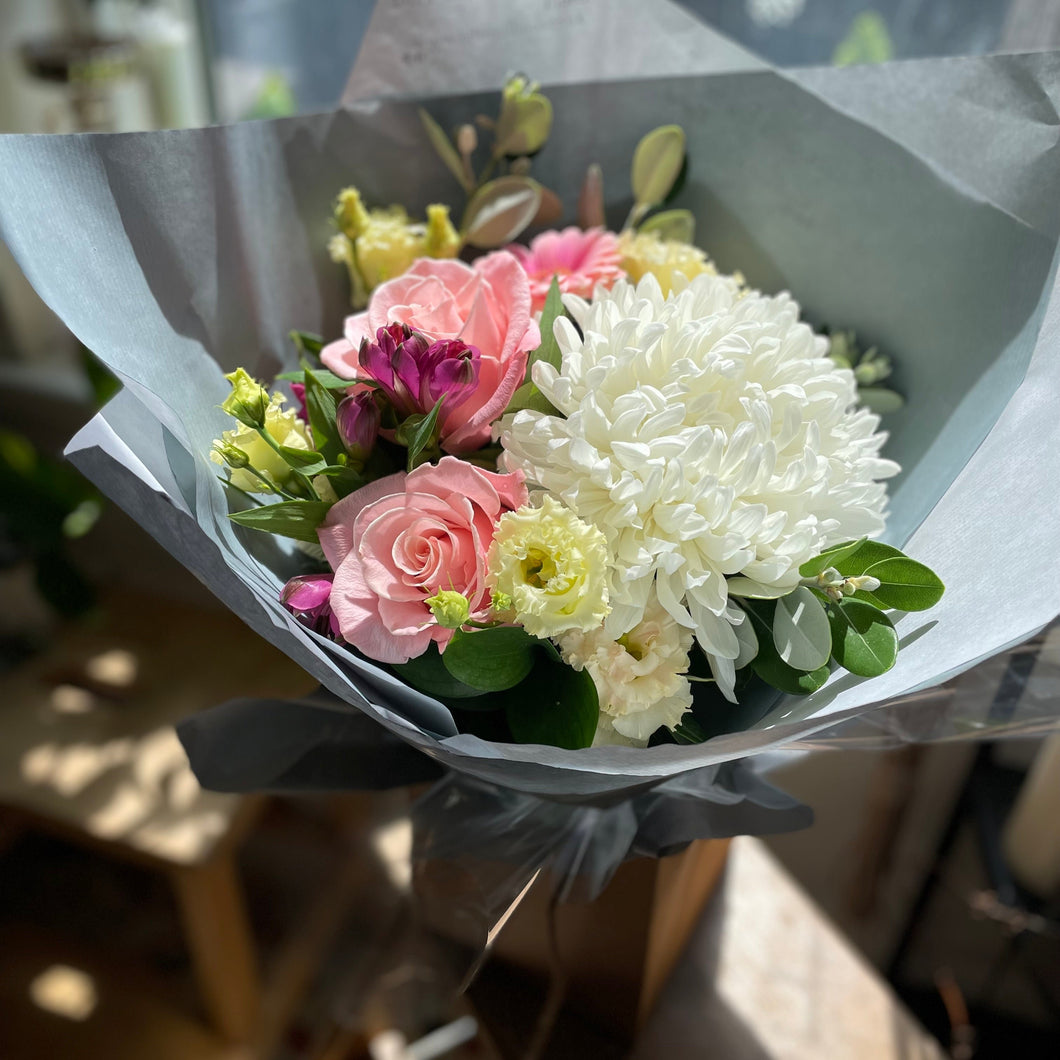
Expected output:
(672, 225)
(297, 519)
(830, 557)
(500, 210)
(768, 664)
(801, 633)
(428, 673)
(869, 553)
(863, 639)
(879, 399)
(491, 660)
(905, 584)
(444, 148)
(657, 163)
(557, 706)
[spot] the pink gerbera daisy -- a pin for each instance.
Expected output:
(578, 259)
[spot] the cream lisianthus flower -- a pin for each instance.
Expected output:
(639, 677)
(552, 566)
(644, 253)
(286, 427)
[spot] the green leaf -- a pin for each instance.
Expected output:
(557, 706)
(308, 461)
(427, 672)
(444, 148)
(863, 639)
(491, 660)
(869, 553)
(419, 434)
(867, 41)
(328, 380)
(880, 400)
(830, 557)
(905, 584)
(672, 225)
(657, 163)
(500, 210)
(529, 397)
(801, 634)
(321, 406)
(549, 350)
(344, 479)
(769, 666)
(297, 519)
(306, 344)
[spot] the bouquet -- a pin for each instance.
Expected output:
(607, 463)
(568, 483)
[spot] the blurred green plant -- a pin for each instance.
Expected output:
(867, 41)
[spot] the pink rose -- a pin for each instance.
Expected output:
(486, 306)
(397, 541)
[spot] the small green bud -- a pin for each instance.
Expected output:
(450, 608)
(525, 119)
(231, 454)
(500, 602)
(248, 400)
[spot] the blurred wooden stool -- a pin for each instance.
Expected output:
(88, 753)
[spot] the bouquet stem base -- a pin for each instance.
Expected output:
(617, 952)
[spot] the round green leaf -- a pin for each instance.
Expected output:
(427, 673)
(869, 553)
(491, 660)
(657, 163)
(801, 633)
(863, 639)
(769, 666)
(831, 557)
(500, 210)
(557, 705)
(676, 225)
(905, 584)
(880, 399)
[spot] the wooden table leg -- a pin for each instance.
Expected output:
(220, 943)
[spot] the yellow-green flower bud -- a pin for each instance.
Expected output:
(525, 119)
(350, 214)
(232, 455)
(500, 602)
(248, 400)
(450, 608)
(442, 239)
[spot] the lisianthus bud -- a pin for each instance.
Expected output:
(248, 400)
(308, 598)
(450, 609)
(232, 455)
(358, 420)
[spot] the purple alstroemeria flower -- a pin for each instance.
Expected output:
(308, 598)
(414, 372)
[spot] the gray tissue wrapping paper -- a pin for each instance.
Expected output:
(177, 255)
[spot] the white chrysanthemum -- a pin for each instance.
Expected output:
(639, 677)
(710, 438)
